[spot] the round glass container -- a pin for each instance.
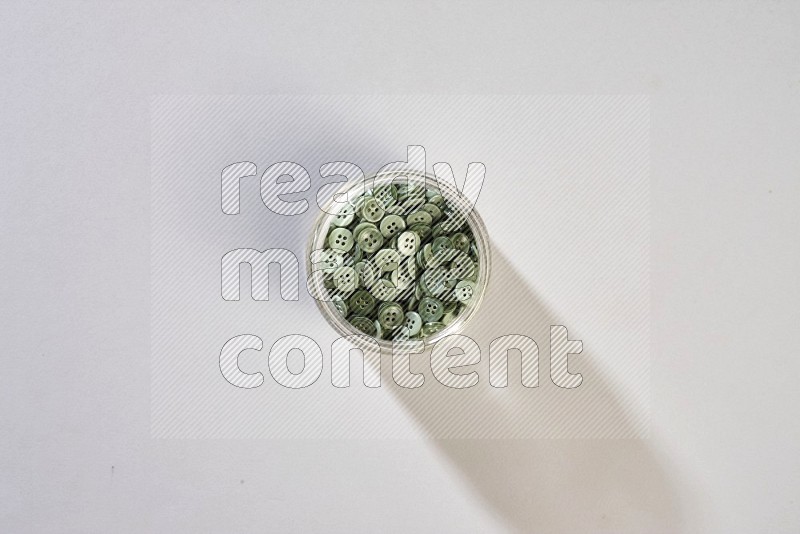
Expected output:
(455, 201)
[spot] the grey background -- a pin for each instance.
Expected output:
(725, 93)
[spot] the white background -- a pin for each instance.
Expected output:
(76, 455)
(566, 205)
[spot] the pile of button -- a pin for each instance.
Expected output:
(399, 262)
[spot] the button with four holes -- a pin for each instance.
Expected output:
(372, 210)
(464, 290)
(390, 315)
(430, 309)
(341, 239)
(407, 243)
(392, 224)
(419, 217)
(361, 302)
(370, 240)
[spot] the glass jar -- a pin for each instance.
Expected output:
(453, 198)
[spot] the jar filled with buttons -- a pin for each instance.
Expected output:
(399, 257)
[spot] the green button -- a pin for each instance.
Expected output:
(434, 281)
(437, 200)
(364, 324)
(418, 293)
(419, 217)
(361, 226)
(358, 254)
(413, 203)
(372, 210)
(345, 216)
(407, 243)
(462, 267)
(450, 281)
(341, 239)
(429, 329)
(454, 222)
(473, 252)
(420, 259)
(390, 315)
(441, 243)
(392, 224)
(464, 290)
(474, 276)
(340, 305)
(461, 241)
(427, 253)
(327, 281)
(412, 324)
(413, 301)
(451, 310)
(370, 240)
(430, 309)
(358, 204)
(433, 209)
(361, 302)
